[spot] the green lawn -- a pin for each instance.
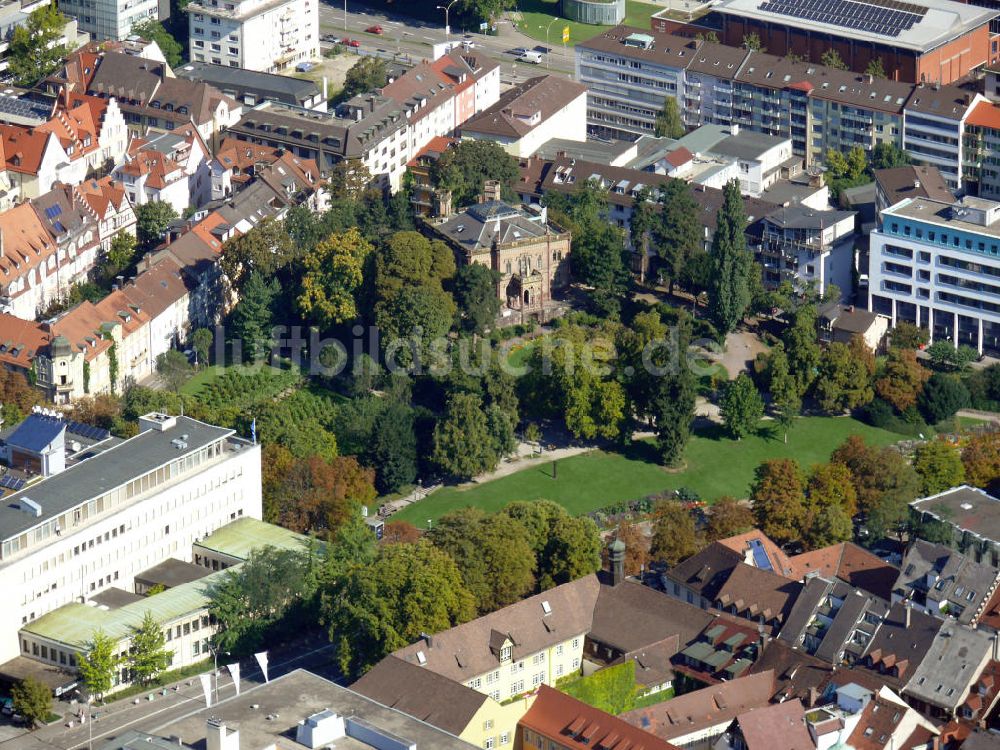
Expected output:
(715, 466)
(537, 14)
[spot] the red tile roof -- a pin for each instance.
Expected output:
(574, 724)
(851, 564)
(985, 115)
(781, 725)
(20, 340)
(25, 243)
(100, 194)
(23, 148)
(779, 560)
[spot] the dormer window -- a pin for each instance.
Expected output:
(505, 653)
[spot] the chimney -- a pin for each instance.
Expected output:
(906, 607)
(428, 639)
(443, 202)
(916, 184)
(219, 737)
(616, 557)
(491, 190)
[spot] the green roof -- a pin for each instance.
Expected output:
(715, 631)
(238, 538)
(699, 651)
(75, 624)
(718, 659)
(738, 667)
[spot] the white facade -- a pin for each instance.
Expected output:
(938, 266)
(568, 123)
(260, 35)
(109, 19)
(936, 140)
(104, 522)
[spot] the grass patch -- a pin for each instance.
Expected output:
(653, 698)
(537, 14)
(164, 679)
(715, 466)
(209, 375)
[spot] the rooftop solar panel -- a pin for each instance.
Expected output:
(883, 17)
(760, 558)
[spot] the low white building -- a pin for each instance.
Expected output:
(262, 35)
(532, 113)
(105, 519)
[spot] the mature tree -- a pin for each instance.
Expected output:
(844, 381)
(462, 443)
(349, 180)
(492, 552)
(728, 517)
(778, 499)
(943, 396)
(830, 526)
(573, 550)
(802, 348)
(34, 50)
(319, 494)
(254, 599)
(832, 59)
(476, 296)
(636, 546)
(464, 168)
(645, 219)
(152, 220)
(393, 448)
(32, 700)
(148, 657)
(120, 256)
(946, 356)
(675, 537)
(678, 233)
(174, 369)
(786, 399)
(367, 74)
(903, 379)
(730, 295)
(407, 590)
(908, 336)
(981, 458)
(153, 30)
(537, 517)
(331, 275)
(881, 476)
(251, 321)
(886, 156)
(828, 485)
(487, 10)
(201, 342)
(939, 465)
(662, 383)
(752, 42)
(668, 120)
(98, 665)
(741, 406)
(400, 532)
(266, 249)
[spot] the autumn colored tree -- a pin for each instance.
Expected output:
(332, 274)
(903, 379)
(778, 499)
(981, 458)
(636, 547)
(400, 532)
(939, 465)
(675, 537)
(728, 517)
(831, 484)
(16, 396)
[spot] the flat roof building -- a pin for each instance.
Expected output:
(974, 516)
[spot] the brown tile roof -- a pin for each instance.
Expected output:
(510, 116)
(780, 725)
(155, 290)
(877, 725)
(897, 649)
(901, 182)
(419, 692)
(755, 592)
(653, 664)
(706, 571)
(23, 148)
(779, 560)
(950, 102)
(25, 243)
(991, 612)
(851, 564)
(464, 651)
(631, 616)
(574, 724)
(796, 673)
(700, 709)
(25, 337)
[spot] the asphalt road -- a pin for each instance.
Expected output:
(413, 37)
(172, 702)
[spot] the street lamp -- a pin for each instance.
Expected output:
(345, 15)
(547, 48)
(215, 670)
(446, 9)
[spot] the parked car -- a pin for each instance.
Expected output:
(304, 67)
(348, 42)
(530, 56)
(376, 29)
(331, 38)
(518, 51)
(7, 706)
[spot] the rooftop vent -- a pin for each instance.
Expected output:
(546, 608)
(320, 729)
(30, 506)
(421, 658)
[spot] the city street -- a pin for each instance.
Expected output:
(413, 37)
(171, 702)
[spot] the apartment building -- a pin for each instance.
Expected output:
(127, 507)
(14, 13)
(258, 35)
(936, 264)
(110, 19)
(934, 132)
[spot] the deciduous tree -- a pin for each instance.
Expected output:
(668, 120)
(939, 465)
(201, 341)
(741, 407)
(462, 443)
(32, 700)
(942, 397)
(152, 219)
(252, 319)
(981, 458)
(778, 499)
(367, 74)
(844, 380)
(266, 249)
(174, 369)
(464, 168)
(98, 664)
(832, 59)
(903, 379)
(678, 233)
(730, 295)
(675, 536)
(636, 547)
(153, 30)
(393, 448)
(728, 517)
(476, 296)
(34, 50)
(331, 275)
(148, 657)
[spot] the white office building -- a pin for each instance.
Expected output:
(110, 19)
(123, 508)
(937, 264)
(265, 35)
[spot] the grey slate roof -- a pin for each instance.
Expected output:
(953, 662)
(803, 217)
(237, 82)
(968, 508)
(477, 226)
(105, 471)
(900, 646)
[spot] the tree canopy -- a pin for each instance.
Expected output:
(34, 50)
(464, 168)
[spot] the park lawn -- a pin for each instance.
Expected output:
(212, 373)
(715, 466)
(537, 14)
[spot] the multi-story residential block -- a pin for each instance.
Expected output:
(931, 40)
(110, 204)
(935, 264)
(530, 254)
(808, 248)
(254, 34)
(127, 507)
(170, 167)
(34, 351)
(894, 184)
(110, 19)
(14, 13)
(531, 113)
(251, 87)
(238, 165)
(935, 125)
(973, 516)
(980, 149)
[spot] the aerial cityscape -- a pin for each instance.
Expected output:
(500, 374)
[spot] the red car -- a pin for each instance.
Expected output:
(374, 29)
(350, 42)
